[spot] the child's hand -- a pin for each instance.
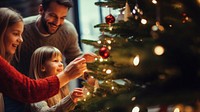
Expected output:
(76, 94)
(90, 57)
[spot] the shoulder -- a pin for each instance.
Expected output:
(68, 25)
(69, 28)
(30, 19)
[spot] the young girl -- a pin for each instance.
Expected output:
(16, 85)
(47, 61)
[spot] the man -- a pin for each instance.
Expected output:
(49, 28)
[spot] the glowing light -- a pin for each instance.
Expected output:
(110, 28)
(101, 59)
(159, 50)
(104, 70)
(112, 87)
(154, 2)
(134, 11)
(133, 98)
(176, 110)
(88, 93)
(109, 47)
(99, 42)
(198, 1)
(170, 26)
(154, 28)
(109, 41)
(143, 21)
(136, 60)
(136, 109)
(108, 71)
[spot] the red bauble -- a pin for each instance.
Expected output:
(104, 52)
(110, 19)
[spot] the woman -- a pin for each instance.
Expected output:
(16, 85)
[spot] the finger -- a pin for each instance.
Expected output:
(80, 61)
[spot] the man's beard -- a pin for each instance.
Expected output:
(45, 26)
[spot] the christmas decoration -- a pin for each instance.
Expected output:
(120, 17)
(104, 52)
(110, 19)
(127, 12)
(154, 63)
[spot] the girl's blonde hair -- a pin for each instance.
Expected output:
(8, 17)
(38, 58)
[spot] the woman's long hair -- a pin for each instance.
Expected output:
(8, 17)
(38, 59)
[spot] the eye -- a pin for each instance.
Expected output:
(16, 34)
(55, 60)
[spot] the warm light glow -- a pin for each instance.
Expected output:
(108, 71)
(136, 109)
(143, 21)
(110, 28)
(101, 59)
(176, 110)
(109, 47)
(198, 1)
(154, 1)
(88, 93)
(109, 41)
(104, 70)
(159, 50)
(154, 28)
(99, 42)
(134, 11)
(112, 87)
(136, 60)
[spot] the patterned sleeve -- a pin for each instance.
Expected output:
(22, 88)
(65, 105)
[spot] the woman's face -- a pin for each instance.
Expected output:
(13, 37)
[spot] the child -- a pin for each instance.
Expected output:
(47, 61)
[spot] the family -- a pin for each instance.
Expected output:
(39, 55)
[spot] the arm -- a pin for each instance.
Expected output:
(65, 104)
(22, 88)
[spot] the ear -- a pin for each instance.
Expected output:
(43, 69)
(40, 9)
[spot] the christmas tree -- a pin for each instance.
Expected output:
(149, 58)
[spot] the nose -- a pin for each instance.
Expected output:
(57, 21)
(20, 39)
(60, 64)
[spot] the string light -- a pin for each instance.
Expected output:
(176, 110)
(136, 60)
(99, 42)
(143, 21)
(109, 41)
(159, 50)
(136, 109)
(154, 2)
(108, 71)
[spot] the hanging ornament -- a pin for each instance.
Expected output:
(104, 52)
(110, 19)
(120, 17)
(127, 12)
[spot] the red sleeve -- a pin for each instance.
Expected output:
(22, 88)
